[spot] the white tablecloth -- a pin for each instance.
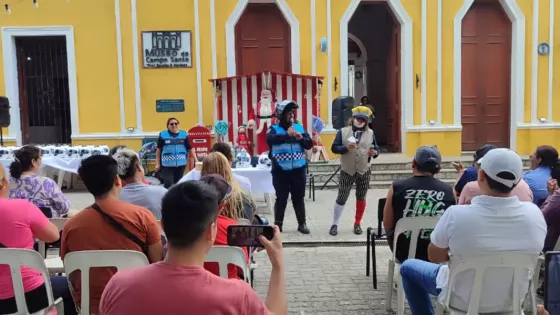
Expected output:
(261, 179)
(67, 165)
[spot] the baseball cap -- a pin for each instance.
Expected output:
(480, 153)
(222, 187)
(499, 161)
(427, 155)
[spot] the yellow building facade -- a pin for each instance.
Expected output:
(438, 94)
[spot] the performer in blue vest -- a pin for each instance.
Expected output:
(288, 141)
(173, 153)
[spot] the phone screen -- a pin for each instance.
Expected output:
(248, 235)
(552, 283)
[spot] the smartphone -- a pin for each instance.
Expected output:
(552, 283)
(248, 235)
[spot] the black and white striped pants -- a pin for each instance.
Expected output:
(345, 185)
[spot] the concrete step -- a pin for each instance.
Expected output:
(390, 168)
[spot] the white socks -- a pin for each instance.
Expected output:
(337, 213)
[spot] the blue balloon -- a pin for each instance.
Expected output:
(317, 124)
(221, 127)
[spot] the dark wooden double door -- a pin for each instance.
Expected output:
(486, 78)
(263, 41)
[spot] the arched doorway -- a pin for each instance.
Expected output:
(357, 67)
(263, 40)
(382, 68)
(486, 75)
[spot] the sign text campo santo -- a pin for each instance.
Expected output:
(167, 49)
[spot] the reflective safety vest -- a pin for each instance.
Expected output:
(288, 156)
(174, 153)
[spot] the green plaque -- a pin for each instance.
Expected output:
(170, 106)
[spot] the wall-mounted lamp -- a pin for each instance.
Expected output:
(543, 120)
(7, 9)
(35, 3)
(323, 44)
(432, 122)
(130, 129)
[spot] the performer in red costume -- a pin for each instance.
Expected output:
(261, 117)
(243, 140)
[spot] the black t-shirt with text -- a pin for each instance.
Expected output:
(418, 196)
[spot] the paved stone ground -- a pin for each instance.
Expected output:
(319, 215)
(329, 281)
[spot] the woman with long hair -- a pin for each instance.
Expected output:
(240, 204)
(216, 163)
(21, 223)
(27, 183)
(543, 164)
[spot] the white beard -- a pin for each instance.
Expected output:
(265, 110)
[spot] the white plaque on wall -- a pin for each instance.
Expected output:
(167, 49)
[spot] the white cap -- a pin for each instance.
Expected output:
(499, 161)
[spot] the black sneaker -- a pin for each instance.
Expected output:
(358, 229)
(334, 230)
(302, 228)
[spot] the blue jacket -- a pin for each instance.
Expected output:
(174, 152)
(286, 152)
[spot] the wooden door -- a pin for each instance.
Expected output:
(43, 89)
(485, 76)
(393, 88)
(262, 40)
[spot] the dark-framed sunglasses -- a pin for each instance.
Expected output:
(174, 124)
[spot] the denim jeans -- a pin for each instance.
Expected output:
(419, 281)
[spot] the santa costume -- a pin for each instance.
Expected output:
(261, 117)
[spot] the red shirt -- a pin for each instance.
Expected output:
(165, 289)
(221, 239)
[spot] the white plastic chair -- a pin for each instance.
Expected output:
(226, 255)
(16, 258)
(415, 225)
(84, 260)
(521, 264)
(59, 223)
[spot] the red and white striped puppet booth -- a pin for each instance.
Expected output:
(251, 99)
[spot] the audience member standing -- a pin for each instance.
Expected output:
(180, 285)
(27, 183)
(551, 210)
(357, 146)
(494, 222)
(173, 153)
(288, 141)
(136, 192)
(90, 229)
(21, 223)
(471, 189)
(421, 195)
(543, 161)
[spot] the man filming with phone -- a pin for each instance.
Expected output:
(180, 284)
